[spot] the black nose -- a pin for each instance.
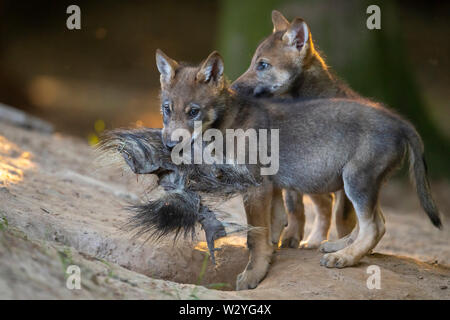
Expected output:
(242, 89)
(170, 143)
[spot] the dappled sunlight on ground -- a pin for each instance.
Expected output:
(236, 241)
(13, 162)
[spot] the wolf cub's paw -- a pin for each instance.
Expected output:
(333, 246)
(248, 280)
(329, 246)
(337, 260)
(291, 242)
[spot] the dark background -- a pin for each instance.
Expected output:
(105, 74)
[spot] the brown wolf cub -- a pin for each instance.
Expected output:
(324, 145)
(286, 64)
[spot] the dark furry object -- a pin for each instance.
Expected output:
(180, 206)
(174, 211)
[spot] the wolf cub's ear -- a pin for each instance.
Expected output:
(280, 23)
(166, 66)
(212, 69)
(297, 35)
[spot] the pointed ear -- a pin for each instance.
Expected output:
(280, 23)
(297, 35)
(166, 66)
(212, 69)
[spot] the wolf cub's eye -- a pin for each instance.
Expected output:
(166, 108)
(194, 112)
(262, 65)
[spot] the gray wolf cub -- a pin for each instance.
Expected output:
(325, 145)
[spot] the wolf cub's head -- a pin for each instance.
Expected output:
(190, 94)
(278, 60)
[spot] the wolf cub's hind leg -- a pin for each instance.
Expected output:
(258, 211)
(293, 233)
(322, 221)
(362, 188)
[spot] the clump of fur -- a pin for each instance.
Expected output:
(173, 212)
(142, 150)
(180, 206)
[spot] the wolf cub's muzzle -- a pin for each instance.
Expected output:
(261, 91)
(168, 142)
(242, 89)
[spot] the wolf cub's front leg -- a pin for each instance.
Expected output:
(322, 222)
(258, 210)
(293, 233)
(279, 218)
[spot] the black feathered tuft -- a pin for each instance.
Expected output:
(174, 212)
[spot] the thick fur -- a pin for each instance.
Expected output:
(325, 145)
(172, 213)
(418, 169)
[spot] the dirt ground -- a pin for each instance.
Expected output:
(58, 209)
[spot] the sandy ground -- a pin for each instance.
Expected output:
(58, 209)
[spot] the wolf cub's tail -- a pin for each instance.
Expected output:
(418, 173)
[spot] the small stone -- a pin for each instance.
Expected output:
(443, 287)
